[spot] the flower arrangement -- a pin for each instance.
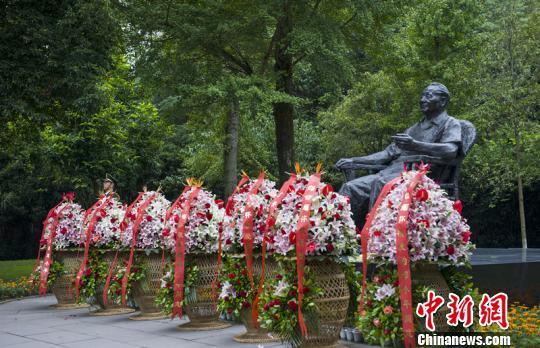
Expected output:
(279, 306)
(107, 213)
(236, 293)
(149, 234)
(68, 228)
(436, 230)
(332, 230)
(236, 208)
(202, 226)
(95, 271)
(165, 296)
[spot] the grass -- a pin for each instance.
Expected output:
(14, 269)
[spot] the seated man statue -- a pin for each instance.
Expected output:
(436, 134)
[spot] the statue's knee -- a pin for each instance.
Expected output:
(345, 189)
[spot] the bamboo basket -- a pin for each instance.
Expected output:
(110, 308)
(331, 305)
(202, 310)
(63, 285)
(253, 333)
(146, 290)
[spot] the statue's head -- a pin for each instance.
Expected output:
(108, 184)
(434, 99)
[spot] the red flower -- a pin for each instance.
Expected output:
(423, 223)
(113, 220)
(228, 242)
(276, 302)
(377, 233)
(387, 331)
(226, 298)
(166, 232)
(390, 204)
(466, 236)
(300, 192)
(292, 238)
(330, 247)
(340, 206)
(176, 218)
(306, 290)
(293, 306)
(103, 212)
(422, 195)
(327, 189)
(458, 206)
(450, 250)
(368, 304)
(229, 310)
(149, 218)
(279, 276)
(232, 275)
(207, 205)
(209, 216)
(292, 293)
(245, 304)
(242, 293)
(63, 230)
(70, 215)
(266, 307)
(219, 203)
(114, 229)
(88, 271)
(337, 216)
(310, 247)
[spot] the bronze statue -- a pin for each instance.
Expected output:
(436, 135)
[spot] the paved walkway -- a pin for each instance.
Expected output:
(30, 323)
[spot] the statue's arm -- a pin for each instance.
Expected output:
(444, 150)
(382, 157)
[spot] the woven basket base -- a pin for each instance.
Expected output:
(149, 316)
(203, 326)
(255, 338)
(69, 305)
(111, 311)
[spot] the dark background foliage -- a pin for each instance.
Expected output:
(148, 92)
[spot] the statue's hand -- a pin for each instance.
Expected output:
(344, 163)
(403, 141)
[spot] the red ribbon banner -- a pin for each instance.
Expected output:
(141, 211)
(180, 253)
(247, 228)
(302, 229)
(270, 222)
(93, 212)
(47, 261)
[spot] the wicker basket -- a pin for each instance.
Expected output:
(202, 310)
(62, 287)
(331, 305)
(429, 274)
(146, 290)
(110, 308)
(254, 334)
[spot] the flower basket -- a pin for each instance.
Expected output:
(201, 306)
(109, 308)
(145, 290)
(62, 288)
(254, 333)
(429, 275)
(331, 304)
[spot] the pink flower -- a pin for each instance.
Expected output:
(376, 322)
(388, 310)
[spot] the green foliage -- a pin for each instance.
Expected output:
(165, 296)
(237, 294)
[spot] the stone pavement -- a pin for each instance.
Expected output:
(30, 323)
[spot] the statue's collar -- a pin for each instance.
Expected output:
(438, 120)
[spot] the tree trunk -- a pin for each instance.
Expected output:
(230, 156)
(284, 111)
(522, 213)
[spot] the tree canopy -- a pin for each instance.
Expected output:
(151, 92)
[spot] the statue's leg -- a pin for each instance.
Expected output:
(378, 184)
(358, 190)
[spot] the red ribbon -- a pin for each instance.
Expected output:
(96, 207)
(108, 280)
(175, 204)
(141, 211)
(270, 222)
(125, 221)
(302, 229)
(230, 202)
(247, 228)
(47, 261)
(403, 260)
(180, 253)
(365, 235)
